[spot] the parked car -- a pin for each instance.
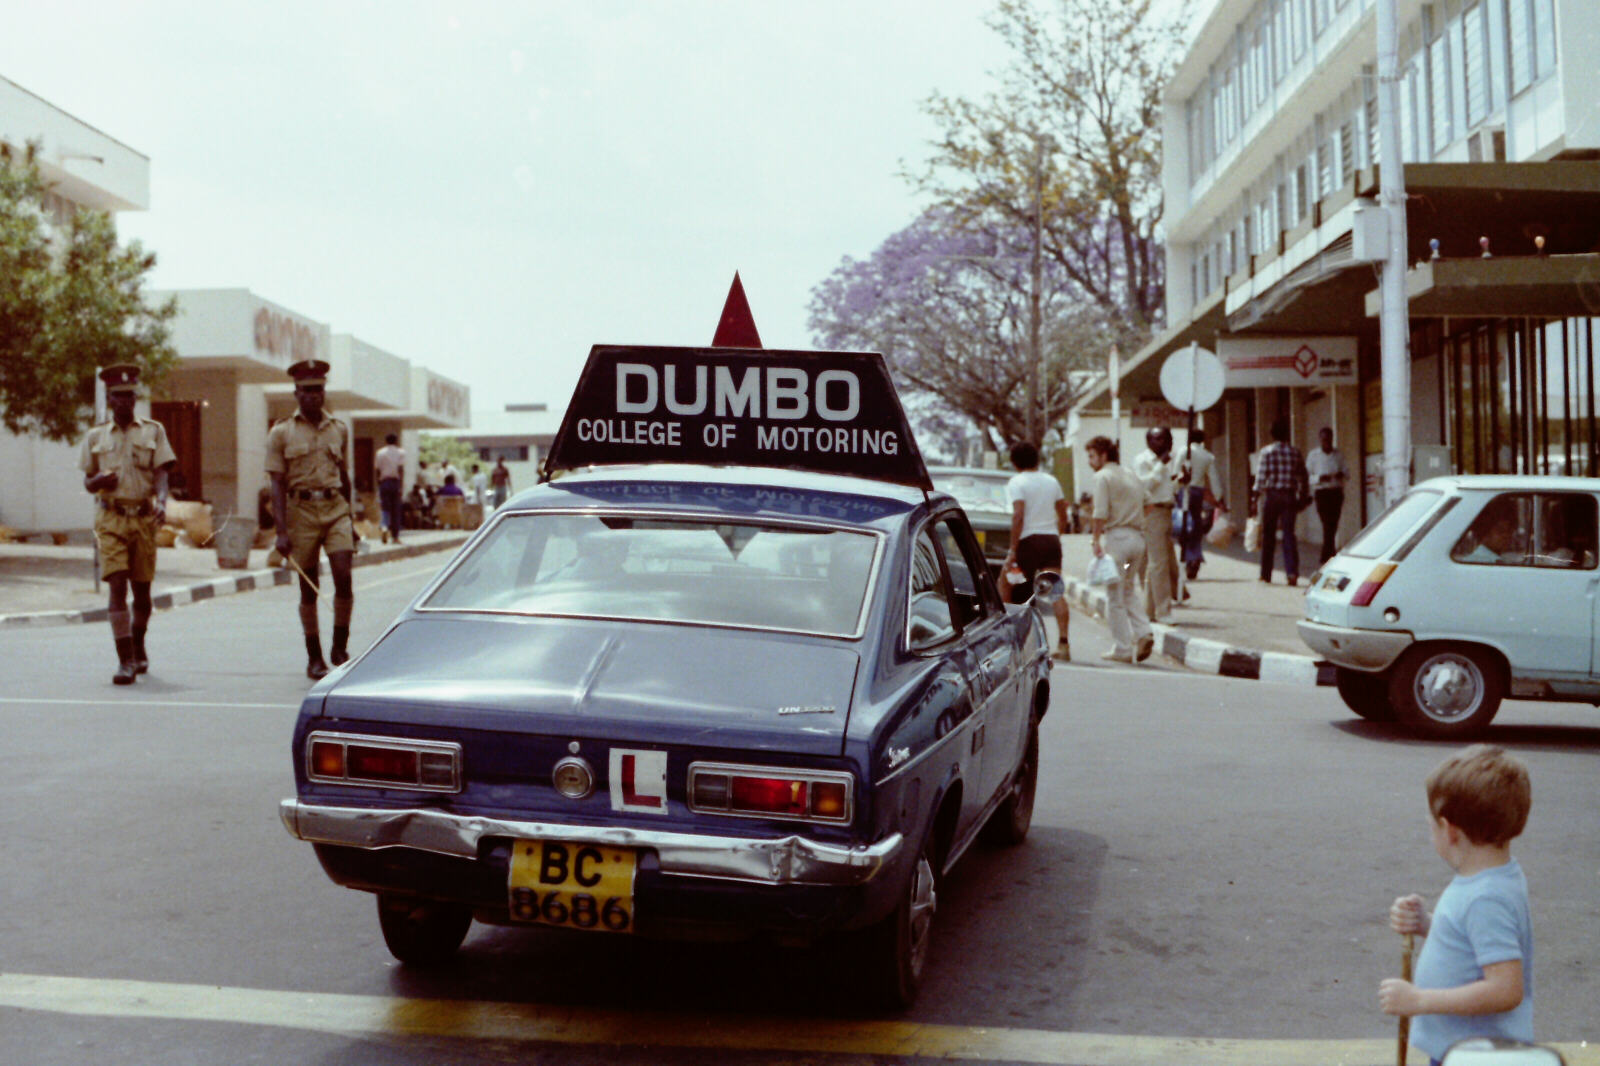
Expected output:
(682, 700)
(981, 492)
(1468, 590)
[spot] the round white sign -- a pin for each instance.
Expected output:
(1191, 379)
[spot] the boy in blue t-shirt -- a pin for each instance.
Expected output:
(1475, 974)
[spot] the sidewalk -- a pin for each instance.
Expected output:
(44, 584)
(1232, 624)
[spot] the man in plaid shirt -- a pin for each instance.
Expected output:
(1284, 490)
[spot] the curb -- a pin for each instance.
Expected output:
(222, 586)
(1213, 656)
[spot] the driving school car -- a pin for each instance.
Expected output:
(739, 670)
(1467, 590)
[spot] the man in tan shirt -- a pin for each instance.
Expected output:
(125, 463)
(308, 462)
(1117, 523)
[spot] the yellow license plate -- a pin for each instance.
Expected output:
(579, 886)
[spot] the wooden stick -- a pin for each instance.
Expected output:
(1405, 1022)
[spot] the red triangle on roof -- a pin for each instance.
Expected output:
(737, 327)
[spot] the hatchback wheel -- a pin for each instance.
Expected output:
(1010, 822)
(1446, 690)
(422, 932)
(1366, 694)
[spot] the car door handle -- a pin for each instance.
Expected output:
(995, 660)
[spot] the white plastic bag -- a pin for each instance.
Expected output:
(1103, 571)
(1252, 534)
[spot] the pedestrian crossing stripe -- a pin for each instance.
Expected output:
(358, 1015)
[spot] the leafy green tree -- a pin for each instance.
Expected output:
(435, 449)
(1072, 136)
(70, 302)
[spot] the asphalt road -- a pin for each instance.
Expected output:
(1206, 882)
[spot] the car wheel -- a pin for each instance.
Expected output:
(896, 949)
(1446, 690)
(422, 932)
(1366, 694)
(1009, 824)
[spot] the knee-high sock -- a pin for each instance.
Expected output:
(120, 625)
(308, 619)
(342, 608)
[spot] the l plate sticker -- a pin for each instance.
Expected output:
(639, 781)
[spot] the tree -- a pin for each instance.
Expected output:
(436, 450)
(70, 301)
(1081, 100)
(950, 311)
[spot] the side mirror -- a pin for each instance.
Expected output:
(1048, 587)
(1495, 1051)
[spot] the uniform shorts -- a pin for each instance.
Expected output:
(316, 526)
(127, 544)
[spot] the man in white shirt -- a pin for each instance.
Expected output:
(1117, 520)
(1201, 487)
(1038, 518)
(1327, 472)
(390, 465)
(480, 485)
(1157, 470)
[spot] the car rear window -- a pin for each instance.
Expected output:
(974, 492)
(793, 578)
(1387, 531)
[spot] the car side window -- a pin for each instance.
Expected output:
(968, 571)
(1564, 536)
(931, 619)
(1501, 535)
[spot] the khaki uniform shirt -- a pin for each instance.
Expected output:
(308, 456)
(133, 454)
(1119, 498)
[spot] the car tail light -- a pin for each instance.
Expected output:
(770, 792)
(390, 762)
(1369, 588)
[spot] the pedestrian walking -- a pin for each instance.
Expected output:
(1038, 520)
(390, 463)
(1281, 488)
(1157, 471)
(1475, 974)
(1328, 474)
(125, 462)
(480, 486)
(500, 479)
(1199, 501)
(1117, 525)
(308, 463)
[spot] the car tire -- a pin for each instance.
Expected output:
(1008, 825)
(422, 932)
(1366, 694)
(895, 950)
(1446, 690)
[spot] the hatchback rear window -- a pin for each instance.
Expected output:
(1379, 538)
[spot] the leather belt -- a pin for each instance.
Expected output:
(126, 508)
(316, 494)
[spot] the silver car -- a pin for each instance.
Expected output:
(1468, 590)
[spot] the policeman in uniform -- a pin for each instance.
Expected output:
(308, 462)
(125, 463)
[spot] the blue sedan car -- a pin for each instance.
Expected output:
(685, 700)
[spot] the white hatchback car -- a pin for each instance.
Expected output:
(1468, 590)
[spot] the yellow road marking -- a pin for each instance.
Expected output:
(359, 1015)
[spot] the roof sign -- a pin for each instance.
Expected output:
(829, 412)
(737, 326)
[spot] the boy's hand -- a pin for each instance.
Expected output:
(1398, 997)
(1408, 915)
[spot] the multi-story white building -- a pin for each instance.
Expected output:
(1270, 157)
(234, 349)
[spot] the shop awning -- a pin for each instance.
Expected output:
(1556, 286)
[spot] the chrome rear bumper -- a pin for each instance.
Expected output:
(790, 860)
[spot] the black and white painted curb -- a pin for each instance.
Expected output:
(222, 586)
(1213, 656)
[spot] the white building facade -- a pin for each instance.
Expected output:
(1270, 167)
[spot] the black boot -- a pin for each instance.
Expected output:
(338, 655)
(126, 671)
(316, 669)
(141, 661)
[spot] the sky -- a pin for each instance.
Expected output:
(487, 189)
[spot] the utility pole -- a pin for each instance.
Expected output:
(1394, 315)
(1034, 422)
